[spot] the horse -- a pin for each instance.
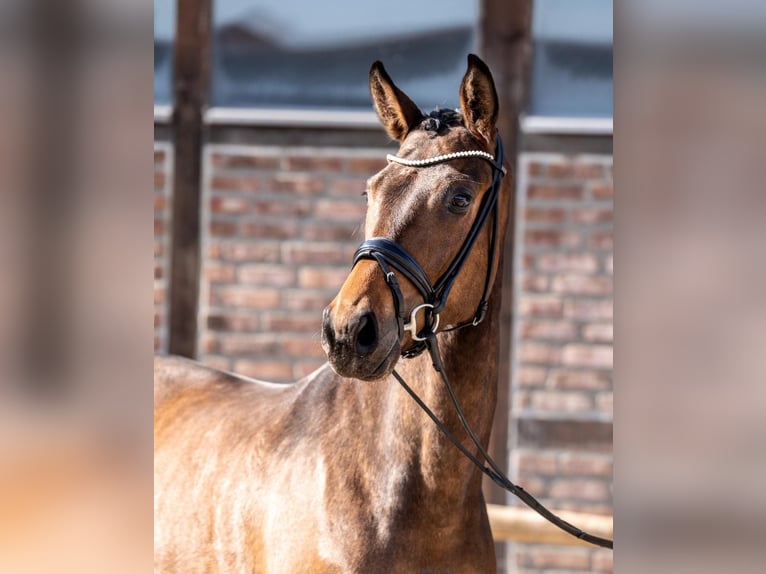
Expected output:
(342, 471)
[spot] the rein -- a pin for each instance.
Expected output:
(389, 254)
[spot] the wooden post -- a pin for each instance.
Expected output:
(191, 66)
(504, 42)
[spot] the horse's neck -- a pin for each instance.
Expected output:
(412, 442)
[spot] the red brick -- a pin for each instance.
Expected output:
(159, 295)
(265, 370)
(242, 251)
(247, 344)
(605, 402)
(245, 161)
(281, 229)
(220, 363)
(549, 238)
(267, 275)
(219, 273)
(530, 376)
(535, 283)
(559, 170)
(223, 228)
(537, 462)
(304, 300)
(313, 163)
(545, 214)
(596, 356)
(367, 166)
(562, 192)
(322, 277)
(540, 306)
(539, 353)
(159, 248)
(589, 309)
(585, 380)
(251, 297)
(537, 487)
(561, 557)
(157, 319)
(304, 368)
(602, 561)
(348, 187)
(225, 322)
(301, 322)
(158, 272)
(159, 226)
(303, 347)
(292, 207)
(602, 191)
(220, 204)
(317, 253)
(159, 202)
(159, 156)
(598, 332)
(584, 170)
(601, 240)
(589, 215)
(580, 489)
(586, 464)
(572, 284)
(209, 344)
(159, 180)
(245, 183)
(340, 210)
(558, 401)
(535, 168)
(332, 231)
(581, 262)
(550, 330)
(296, 183)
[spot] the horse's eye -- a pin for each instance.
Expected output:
(460, 202)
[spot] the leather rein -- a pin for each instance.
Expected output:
(392, 256)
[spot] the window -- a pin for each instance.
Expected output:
(571, 59)
(164, 36)
(302, 54)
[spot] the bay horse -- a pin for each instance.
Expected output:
(341, 471)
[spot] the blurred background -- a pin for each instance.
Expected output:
(262, 137)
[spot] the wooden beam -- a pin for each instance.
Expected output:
(511, 524)
(191, 66)
(504, 44)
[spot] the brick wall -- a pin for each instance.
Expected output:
(162, 208)
(280, 226)
(562, 382)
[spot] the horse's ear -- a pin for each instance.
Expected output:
(396, 111)
(478, 99)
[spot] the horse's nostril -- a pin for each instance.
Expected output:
(366, 334)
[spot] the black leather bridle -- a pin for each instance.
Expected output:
(389, 254)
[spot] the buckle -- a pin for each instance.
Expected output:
(412, 326)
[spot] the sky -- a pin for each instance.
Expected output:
(307, 22)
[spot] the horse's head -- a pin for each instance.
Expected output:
(429, 210)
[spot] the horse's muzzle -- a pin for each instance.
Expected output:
(357, 347)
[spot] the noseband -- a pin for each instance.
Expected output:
(390, 254)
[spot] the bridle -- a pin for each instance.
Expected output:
(390, 254)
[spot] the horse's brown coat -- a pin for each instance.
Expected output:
(336, 473)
